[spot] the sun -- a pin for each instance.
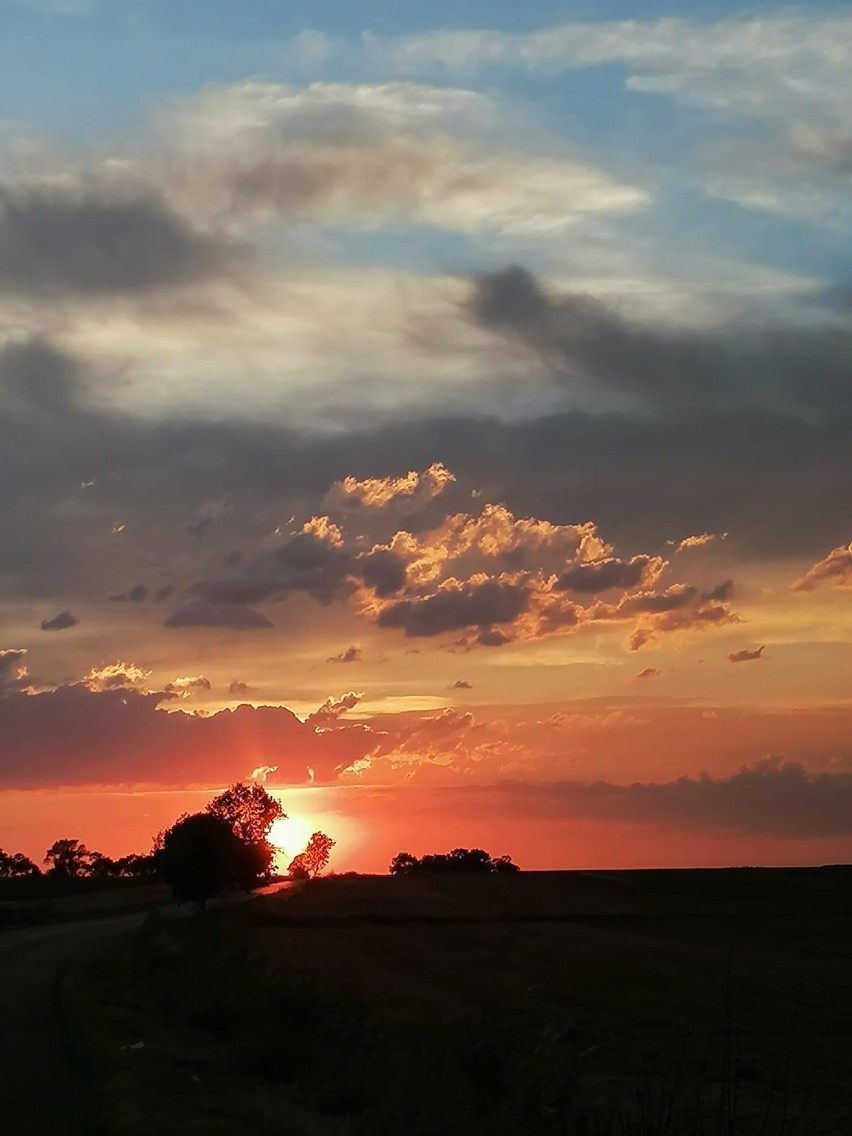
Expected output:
(289, 835)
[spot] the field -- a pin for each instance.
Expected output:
(26, 903)
(636, 1002)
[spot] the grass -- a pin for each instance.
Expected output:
(630, 1004)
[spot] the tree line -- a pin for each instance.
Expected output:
(202, 854)
(71, 859)
(459, 860)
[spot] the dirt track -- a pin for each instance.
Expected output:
(43, 1090)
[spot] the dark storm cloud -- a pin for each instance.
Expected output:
(383, 571)
(64, 241)
(804, 368)
(589, 579)
(770, 798)
(60, 622)
(316, 565)
(456, 607)
(233, 617)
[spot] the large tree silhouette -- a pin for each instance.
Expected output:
(199, 857)
(250, 811)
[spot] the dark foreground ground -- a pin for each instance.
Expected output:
(545, 1003)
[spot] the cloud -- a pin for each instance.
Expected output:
(428, 749)
(233, 617)
(769, 797)
(116, 676)
(411, 490)
(602, 575)
(776, 66)
(834, 569)
(58, 240)
(337, 153)
(262, 772)
(649, 672)
(14, 676)
(721, 592)
(456, 606)
(629, 366)
(59, 622)
(350, 655)
(188, 686)
(746, 656)
(699, 541)
(137, 594)
(239, 689)
(698, 617)
(74, 735)
(384, 571)
(332, 709)
(460, 684)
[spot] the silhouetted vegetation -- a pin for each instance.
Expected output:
(459, 860)
(16, 866)
(224, 847)
(308, 864)
(200, 857)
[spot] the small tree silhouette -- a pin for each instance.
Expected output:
(67, 858)
(315, 858)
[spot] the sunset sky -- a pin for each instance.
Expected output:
(440, 411)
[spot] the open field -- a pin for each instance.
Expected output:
(641, 1002)
(80, 899)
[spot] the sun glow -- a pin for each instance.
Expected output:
(290, 835)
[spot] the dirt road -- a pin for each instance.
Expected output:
(43, 1090)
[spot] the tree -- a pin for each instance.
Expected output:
(99, 867)
(403, 864)
(309, 864)
(200, 857)
(133, 866)
(250, 811)
(459, 860)
(15, 865)
(67, 858)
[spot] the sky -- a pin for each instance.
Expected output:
(437, 412)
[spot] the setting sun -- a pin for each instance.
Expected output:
(290, 834)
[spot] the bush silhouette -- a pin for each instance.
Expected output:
(201, 856)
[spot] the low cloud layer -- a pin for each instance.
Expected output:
(770, 797)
